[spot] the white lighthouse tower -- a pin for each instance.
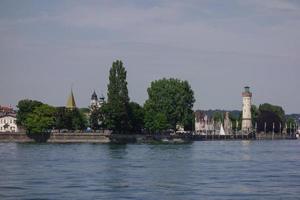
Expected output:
(247, 118)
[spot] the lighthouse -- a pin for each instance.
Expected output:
(247, 118)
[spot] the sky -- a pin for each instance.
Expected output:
(47, 47)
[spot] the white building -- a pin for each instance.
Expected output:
(247, 118)
(203, 123)
(8, 123)
(95, 102)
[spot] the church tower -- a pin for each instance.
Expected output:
(71, 101)
(247, 118)
(94, 100)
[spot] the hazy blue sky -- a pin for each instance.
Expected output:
(218, 46)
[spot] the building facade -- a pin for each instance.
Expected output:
(203, 123)
(227, 124)
(8, 119)
(246, 116)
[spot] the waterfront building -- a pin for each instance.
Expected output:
(8, 119)
(227, 124)
(71, 104)
(203, 123)
(6, 109)
(246, 116)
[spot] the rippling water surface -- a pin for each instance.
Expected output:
(201, 170)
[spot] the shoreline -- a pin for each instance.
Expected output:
(106, 138)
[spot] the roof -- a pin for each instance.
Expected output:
(71, 101)
(94, 96)
(5, 109)
(2, 115)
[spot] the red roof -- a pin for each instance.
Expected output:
(6, 110)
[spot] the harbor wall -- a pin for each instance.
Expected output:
(22, 137)
(103, 137)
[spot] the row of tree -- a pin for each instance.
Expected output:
(169, 104)
(37, 117)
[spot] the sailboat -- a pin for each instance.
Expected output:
(222, 132)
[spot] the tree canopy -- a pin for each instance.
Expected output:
(136, 117)
(25, 107)
(71, 119)
(269, 114)
(41, 120)
(116, 109)
(170, 103)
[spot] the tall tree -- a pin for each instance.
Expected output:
(117, 107)
(169, 104)
(136, 117)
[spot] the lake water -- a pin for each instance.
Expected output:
(200, 170)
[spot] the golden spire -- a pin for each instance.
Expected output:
(71, 101)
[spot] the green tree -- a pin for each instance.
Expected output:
(269, 114)
(136, 117)
(117, 107)
(170, 103)
(41, 120)
(156, 122)
(97, 118)
(234, 119)
(61, 118)
(79, 120)
(254, 114)
(26, 107)
(71, 119)
(84, 110)
(218, 116)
